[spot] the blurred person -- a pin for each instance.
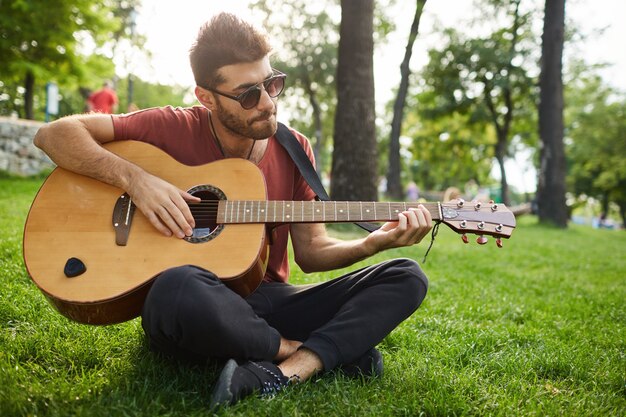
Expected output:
(103, 100)
(412, 191)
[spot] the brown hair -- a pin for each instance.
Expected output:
(225, 40)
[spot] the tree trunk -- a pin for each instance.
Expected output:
(394, 181)
(354, 166)
(551, 184)
(29, 87)
(502, 134)
(500, 156)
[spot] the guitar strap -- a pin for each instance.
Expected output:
(302, 161)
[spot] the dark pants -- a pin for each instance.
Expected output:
(190, 314)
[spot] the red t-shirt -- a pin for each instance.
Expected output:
(185, 135)
(103, 101)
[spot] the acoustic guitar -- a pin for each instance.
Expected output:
(95, 257)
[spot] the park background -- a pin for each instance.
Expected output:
(535, 328)
(447, 137)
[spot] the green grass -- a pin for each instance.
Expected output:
(535, 328)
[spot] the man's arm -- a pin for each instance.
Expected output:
(74, 143)
(315, 251)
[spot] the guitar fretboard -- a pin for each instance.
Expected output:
(314, 211)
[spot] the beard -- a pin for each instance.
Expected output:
(260, 127)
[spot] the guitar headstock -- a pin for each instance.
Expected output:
(489, 219)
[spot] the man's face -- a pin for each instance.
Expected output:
(259, 122)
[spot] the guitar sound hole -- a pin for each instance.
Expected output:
(205, 213)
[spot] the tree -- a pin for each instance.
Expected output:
(449, 151)
(38, 41)
(551, 185)
(394, 182)
(596, 149)
(483, 77)
(354, 166)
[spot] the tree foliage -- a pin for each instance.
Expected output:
(484, 79)
(41, 41)
(596, 145)
(449, 152)
(147, 94)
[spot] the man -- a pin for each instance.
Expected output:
(104, 100)
(281, 333)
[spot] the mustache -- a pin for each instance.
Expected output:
(264, 116)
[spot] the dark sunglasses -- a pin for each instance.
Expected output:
(273, 85)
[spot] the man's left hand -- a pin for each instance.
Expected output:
(411, 227)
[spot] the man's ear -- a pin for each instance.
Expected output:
(205, 97)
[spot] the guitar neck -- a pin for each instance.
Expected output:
(233, 212)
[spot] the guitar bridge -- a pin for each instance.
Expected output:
(123, 218)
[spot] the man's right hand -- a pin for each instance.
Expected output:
(163, 204)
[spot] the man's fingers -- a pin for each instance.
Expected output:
(179, 218)
(154, 219)
(171, 216)
(186, 210)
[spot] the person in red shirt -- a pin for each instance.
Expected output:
(103, 100)
(281, 333)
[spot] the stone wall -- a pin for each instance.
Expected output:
(18, 155)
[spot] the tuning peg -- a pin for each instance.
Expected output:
(464, 238)
(481, 240)
(499, 242)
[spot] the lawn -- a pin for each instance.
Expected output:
(534, 328)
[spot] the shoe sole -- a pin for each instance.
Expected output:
(221, 393)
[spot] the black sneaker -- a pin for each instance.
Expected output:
(239, 381)
(370, 365)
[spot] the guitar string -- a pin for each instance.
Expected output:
(209, 209)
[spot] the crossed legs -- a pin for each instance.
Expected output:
(190, 314)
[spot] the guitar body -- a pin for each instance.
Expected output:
(72, 217)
